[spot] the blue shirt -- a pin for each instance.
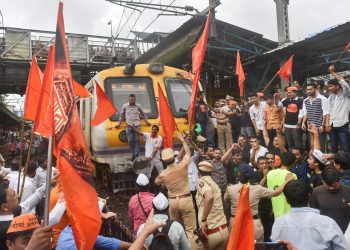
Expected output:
(66, 241)
(302, 171)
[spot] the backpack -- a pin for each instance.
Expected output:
(161, 240)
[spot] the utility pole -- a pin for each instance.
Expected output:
(282, 28)
(282, 21)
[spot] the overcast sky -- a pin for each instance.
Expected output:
(91, 16)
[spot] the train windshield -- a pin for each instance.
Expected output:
(179, 95)
(118, 89)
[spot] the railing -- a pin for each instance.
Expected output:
(21, 44)
(116, 229)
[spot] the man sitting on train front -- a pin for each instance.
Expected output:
(131, 113)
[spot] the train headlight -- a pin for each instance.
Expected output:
(156, 68)
(123, 137)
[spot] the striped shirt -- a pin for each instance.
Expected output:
(316, 109)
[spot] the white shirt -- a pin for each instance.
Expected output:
(40, 176)
(340, 106)
(28, 189)
(305, 228)
(260, 152)
(151, 143)
(193, 172)
(258, 114)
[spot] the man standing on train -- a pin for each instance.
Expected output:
(131, 113)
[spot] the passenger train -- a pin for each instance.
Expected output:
(108, 145)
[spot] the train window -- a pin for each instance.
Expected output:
(118, 89)
(179, 95)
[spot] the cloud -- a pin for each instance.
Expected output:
(91, 16)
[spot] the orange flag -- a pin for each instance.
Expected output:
(73, 159)
(348, 47)
(33, 89)
(167, 119)
(242, 232)
(240, 73)
(286, 69)
(43, 124)
(80, 91)
(198, 52)
(105, 107)
(193, 97)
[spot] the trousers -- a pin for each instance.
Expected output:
(183, 209)
(293, 137)
(224, 136)
(134, 140)
(340, 135)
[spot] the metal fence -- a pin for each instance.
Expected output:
(22, 44)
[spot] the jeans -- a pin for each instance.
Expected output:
(340, 134)
(206, 132)
(293, 137)
(134, 140)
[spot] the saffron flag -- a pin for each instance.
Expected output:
(80, 91)
(240, 74)
(167, 119)
(348, 47)
(286, 69)
(33, 89)
(242, 233)
(198, 52)
(73, 160)
(43, 124)
(105, 107)
(193, 97)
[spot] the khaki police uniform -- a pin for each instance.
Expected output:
(175, 179)
(224, 132)
(256, 192)
(217, 233)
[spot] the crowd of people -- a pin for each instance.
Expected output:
(276, 144)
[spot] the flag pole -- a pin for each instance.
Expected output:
(48, 182)
(270, 82)
(20, 157)
(26, 166)
(341, 54)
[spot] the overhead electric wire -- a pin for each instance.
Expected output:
(120, 20)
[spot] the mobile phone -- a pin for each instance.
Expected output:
(270, 246)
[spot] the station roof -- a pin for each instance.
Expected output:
(176, 47)
(8, 118)
(150, 37)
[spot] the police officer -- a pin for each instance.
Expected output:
(211, 215)
(175, 179)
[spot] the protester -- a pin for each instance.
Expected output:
(256, 150)
(303, 226)
(24, 232)
(293, 108)
(140, 204)
(316, 111)
(275, 179)
(301, 167)
(202, 117)
(333, 198)
(246, 147)
(131, 113)
(172, 229)
(153, 143)
(339, 102)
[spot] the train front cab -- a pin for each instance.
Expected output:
(108, 145)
